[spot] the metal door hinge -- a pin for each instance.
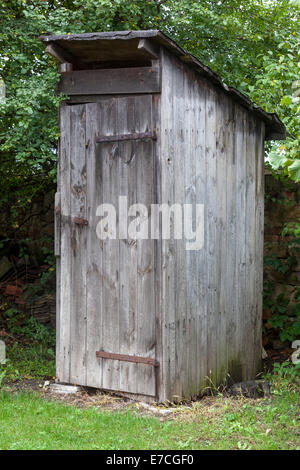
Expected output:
(127, 358)
(79, 221)
(123, 138)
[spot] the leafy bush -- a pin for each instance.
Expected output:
(38, 333)
(30, 328)
(31, 356)
(284, 377)
(28, 362)
(285, 316)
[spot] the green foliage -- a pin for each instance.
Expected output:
(294, 170)
(281, 265)
(285, 377)
(28, 362)
(36, 332)
(253, 44)
(2, 376)
(47, 280)
(285, 317)
(274, 85)
(288, 325)
(292, 229)
(18, 324)
(31, 356)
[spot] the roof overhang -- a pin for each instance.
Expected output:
(84, 49)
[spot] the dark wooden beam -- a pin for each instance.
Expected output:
(148, 48)
(60, 54)
(126, 137)
(111, 81)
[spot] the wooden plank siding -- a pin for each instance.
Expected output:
(211, 154)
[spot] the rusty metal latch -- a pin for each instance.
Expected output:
(126, 137)
(127, 358)
(79, 221)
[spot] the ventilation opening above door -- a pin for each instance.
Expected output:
(104, 54)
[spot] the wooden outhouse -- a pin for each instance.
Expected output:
(157, 317)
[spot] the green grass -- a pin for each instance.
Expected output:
(27, 421)
(30, 421)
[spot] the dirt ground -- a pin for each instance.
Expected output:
(105, 401)
(84, 398)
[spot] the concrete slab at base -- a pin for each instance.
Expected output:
(157, 410)
(61, 388)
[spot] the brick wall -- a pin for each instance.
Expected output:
(282, 206)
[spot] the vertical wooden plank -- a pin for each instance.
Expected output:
(127, 249)
(201, 278)
(259, 231)
(211, 235)
(64, 284)
(146, 341)
(57, 223)
(193, 124)
(157, 244)
(168, 248)
(237, 368)
(94, 248)
(110, 339)
(78, 244)
(250, 294)
(221, 259)
(181, 113)
(230, 280)
(57, 242)
(186, 342)
(126, 333)
(58, 319)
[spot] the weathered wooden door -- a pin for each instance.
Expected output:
(107, 290)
